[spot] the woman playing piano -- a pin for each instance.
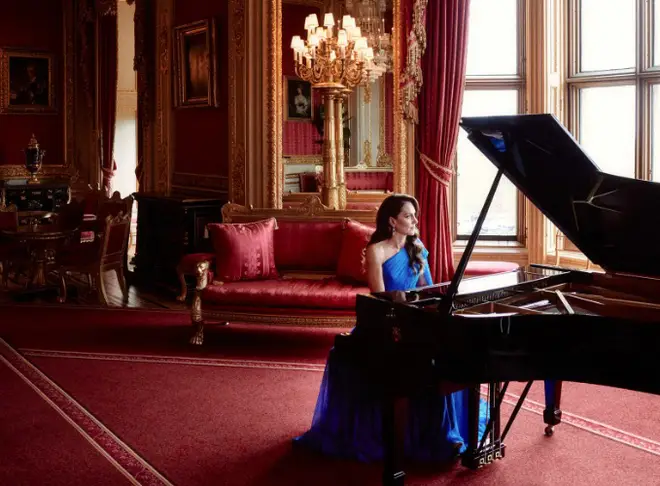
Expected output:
(347, 419)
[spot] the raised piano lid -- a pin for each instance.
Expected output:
(613, 220)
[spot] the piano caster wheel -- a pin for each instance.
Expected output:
(549, 430)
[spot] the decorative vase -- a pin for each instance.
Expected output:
(33, 159)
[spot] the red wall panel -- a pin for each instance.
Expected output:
(34, 25)
(202, 134)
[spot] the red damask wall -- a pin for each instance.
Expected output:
(298, 137)
(201, 134)
(34, 25)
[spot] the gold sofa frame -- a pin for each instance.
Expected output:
(311, 210)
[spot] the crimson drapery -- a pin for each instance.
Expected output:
(441, 98)
(107, 96)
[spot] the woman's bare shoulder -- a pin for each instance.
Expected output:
(376, 252)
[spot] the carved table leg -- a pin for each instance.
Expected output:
(552, 412)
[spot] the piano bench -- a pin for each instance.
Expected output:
(481, 268)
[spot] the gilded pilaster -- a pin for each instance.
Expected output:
(236, 82)
(164, 120)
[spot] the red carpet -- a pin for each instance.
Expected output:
(38, 443)
(226, 413)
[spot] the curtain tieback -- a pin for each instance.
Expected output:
(441, 174)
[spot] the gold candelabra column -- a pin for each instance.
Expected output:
(341, 98)
(330, 190)
(332, 64)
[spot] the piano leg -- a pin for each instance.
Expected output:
(552, 412)
(471, 455)
(394, 426)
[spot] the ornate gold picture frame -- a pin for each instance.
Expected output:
(27, 83)
(298, 100)
(195, 65)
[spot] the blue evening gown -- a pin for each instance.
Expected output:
(347, 418)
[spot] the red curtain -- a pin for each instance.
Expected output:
(441, 97)
(107, 96)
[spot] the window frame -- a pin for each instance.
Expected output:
(643, 76)
(498, 82)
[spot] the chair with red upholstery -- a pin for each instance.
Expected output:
(106, 253)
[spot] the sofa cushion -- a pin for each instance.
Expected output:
(245, 251)
(307, 245)
(352, 265)
(327, 293)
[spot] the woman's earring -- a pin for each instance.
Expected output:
(391, 230)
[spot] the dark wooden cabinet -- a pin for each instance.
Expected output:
(46, 195)
(169, 227)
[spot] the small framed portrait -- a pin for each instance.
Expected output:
(26, 82)
(195, 65)
(298, 101)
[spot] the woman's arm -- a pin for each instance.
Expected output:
(375, 269)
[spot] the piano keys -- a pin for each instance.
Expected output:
(537, 323)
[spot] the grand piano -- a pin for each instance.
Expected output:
(537, 323)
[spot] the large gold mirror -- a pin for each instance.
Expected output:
(373, 138)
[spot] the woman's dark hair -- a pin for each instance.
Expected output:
(390, 208)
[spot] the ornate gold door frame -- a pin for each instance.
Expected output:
(255, 125)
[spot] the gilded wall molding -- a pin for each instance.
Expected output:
(69, 169)
(237, 158)
(272, 86)
(199, 183)
(302, 159)
(401, 140)
(163, 129)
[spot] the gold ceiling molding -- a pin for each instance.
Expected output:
(67, 169)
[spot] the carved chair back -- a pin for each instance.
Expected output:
(115, 241)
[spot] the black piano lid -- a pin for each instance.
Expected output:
(613, 220)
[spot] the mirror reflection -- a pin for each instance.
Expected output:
(367, 119)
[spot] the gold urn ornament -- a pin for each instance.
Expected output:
(34, 157)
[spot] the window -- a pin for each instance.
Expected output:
(614, 85)
(494, 86)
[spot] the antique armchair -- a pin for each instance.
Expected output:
(107, 252)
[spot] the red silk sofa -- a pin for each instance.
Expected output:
(305, 289)
(316, 272)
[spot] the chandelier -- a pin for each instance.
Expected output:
(343, 60)
(369, 17)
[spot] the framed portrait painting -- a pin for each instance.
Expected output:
(298, 102)
(26, 82)
(195, 65)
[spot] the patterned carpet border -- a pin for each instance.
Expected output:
(179, 360)
(583, 423)
(589, 425)
(125, 459)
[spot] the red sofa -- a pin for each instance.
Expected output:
(306, 291)
(318, 258)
